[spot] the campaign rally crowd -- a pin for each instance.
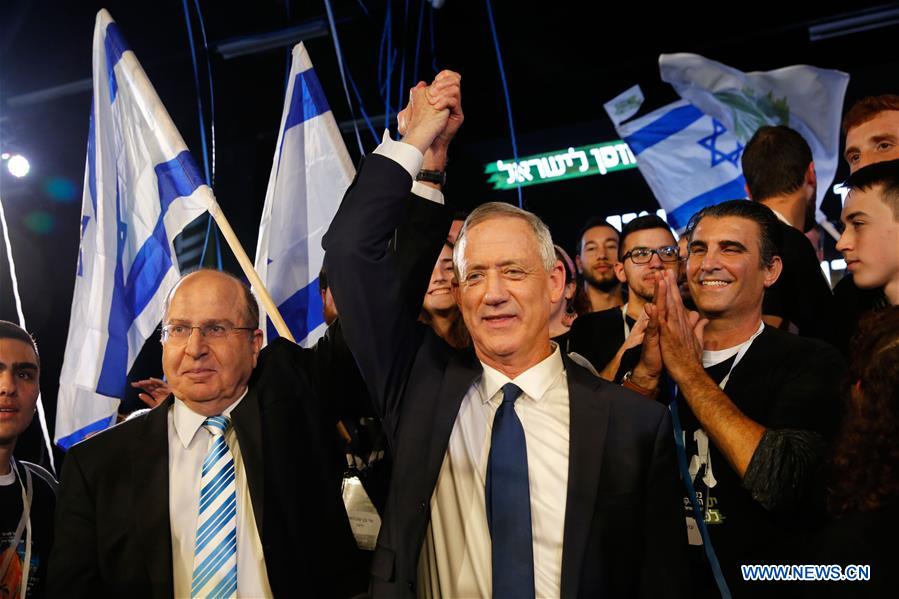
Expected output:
(687, 416)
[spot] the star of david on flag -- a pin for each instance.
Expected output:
(719, 156)
(688, 159)
(141, 188)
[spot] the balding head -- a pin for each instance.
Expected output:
(251, 306)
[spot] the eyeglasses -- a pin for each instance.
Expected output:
(180, 333)
(669, 253)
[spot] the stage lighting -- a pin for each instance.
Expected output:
(18, 165)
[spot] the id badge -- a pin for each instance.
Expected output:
(694, 537)
(364, 519)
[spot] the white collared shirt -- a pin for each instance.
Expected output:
(456, 555)
(188, 442)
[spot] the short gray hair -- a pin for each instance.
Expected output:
(492, 210)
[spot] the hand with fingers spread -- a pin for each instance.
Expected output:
(154, 391)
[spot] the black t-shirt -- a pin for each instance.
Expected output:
(783, 382)
(42, 507)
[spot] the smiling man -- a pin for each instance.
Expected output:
(26, 535)
(756, 404)
(228, 487)
(517, 472)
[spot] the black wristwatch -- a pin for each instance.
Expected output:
(438, 177)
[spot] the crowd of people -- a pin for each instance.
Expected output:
(656, 417)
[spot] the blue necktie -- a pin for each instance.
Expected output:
(215, 553)
(508, 500)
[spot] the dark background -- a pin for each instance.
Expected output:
(562, 61)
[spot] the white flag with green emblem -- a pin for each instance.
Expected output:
(802, 97)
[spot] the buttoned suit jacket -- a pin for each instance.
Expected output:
(113, 529)
(624, 532)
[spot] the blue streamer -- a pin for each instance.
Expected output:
(209, 224)
(698, 516)
(421, 18)
(390, 59)
(346, 90)
(402, 85)
(368, 122)
(502, 75)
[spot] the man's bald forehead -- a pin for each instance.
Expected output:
(205, 276)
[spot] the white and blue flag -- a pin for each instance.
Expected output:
(141, 188)
(805, 98)
(689, 159)
(310, 173)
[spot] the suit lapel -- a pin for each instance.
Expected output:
(589, 420)
(248, 426)
(461, 372)
(150, 481)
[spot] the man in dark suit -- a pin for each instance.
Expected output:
(131, 500)
(517, 472)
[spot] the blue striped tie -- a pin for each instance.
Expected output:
(508, 498)
(215, 553)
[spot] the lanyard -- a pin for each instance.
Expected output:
(24, 525)
(741, 353)
(698, 515)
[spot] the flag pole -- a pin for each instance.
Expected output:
(255, 282)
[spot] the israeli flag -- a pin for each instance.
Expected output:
(689, 159)
(310, 173)
(141, 188)
(802, 97)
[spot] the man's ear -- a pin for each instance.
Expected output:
(772, 271)
(746, 187)
(619, 272)
(556, 282)
(811, 177)
(577, 261)
(256, 342)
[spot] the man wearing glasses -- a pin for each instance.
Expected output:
(610, 339)
(227, 488)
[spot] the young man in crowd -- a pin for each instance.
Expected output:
(870, 239)
(871, 127)
(596, 258)
(27, 491)
(647, 248)
(780, 174)
(756, 404)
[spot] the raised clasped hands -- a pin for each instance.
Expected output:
(432, 117)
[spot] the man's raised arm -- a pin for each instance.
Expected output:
(362, 270)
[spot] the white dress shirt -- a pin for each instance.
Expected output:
(456, 555)
(188, 442)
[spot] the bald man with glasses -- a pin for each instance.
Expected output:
(228, 488)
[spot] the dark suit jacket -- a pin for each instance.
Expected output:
(112, 523)
(624, 526)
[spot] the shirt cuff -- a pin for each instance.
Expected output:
(427, 192)
(405, 155)
(410, 159)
